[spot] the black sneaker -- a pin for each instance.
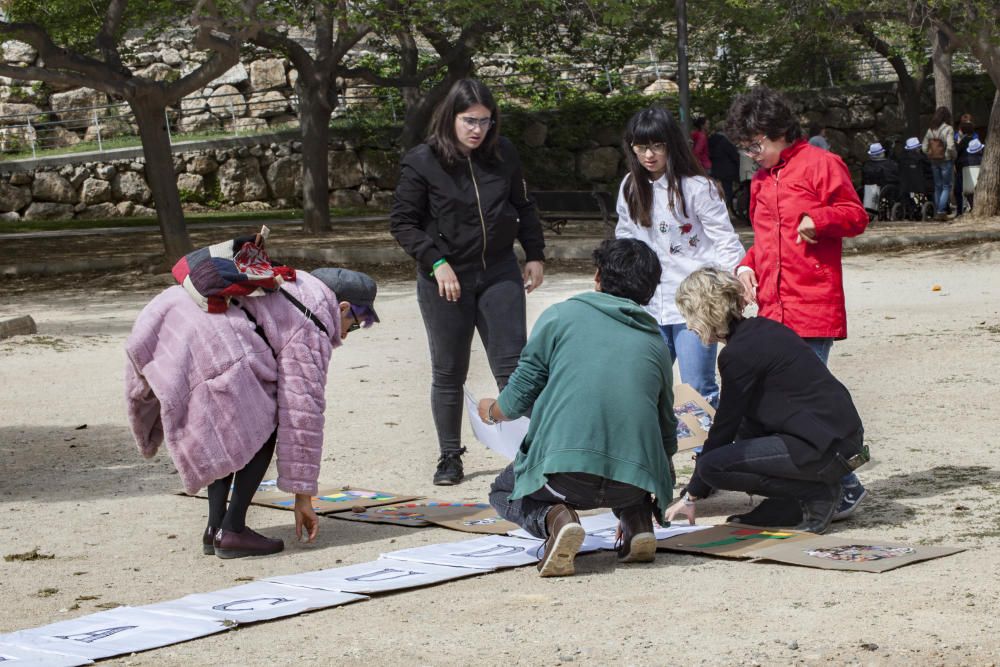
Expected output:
(449, 471)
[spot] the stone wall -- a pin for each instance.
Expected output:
(559, 151)
(257, 177)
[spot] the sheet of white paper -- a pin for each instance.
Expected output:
(257, 601)
(503, 438)
(378, 576)
(590, 543)
(483, 553)
(591, 524)
(22, 656)
(113, 632)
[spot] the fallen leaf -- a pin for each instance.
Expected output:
(80, 427)
(46, 592)
(83, 598)
(936, 288)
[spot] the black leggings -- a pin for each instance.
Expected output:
(244, 483)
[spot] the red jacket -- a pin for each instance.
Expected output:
(801, 284)
(699, 146)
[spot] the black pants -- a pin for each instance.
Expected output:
(578, 490)
(244, 484)
(763, 466)
(492, 303)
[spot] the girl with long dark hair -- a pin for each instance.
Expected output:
(668, 202)
(460, 204)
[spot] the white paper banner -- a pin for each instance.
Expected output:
(21, 656)
(257, 601)
(483, 553)
(503, 438)
(378, 576)
(113, 632)
(601, 529)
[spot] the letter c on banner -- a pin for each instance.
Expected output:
(383, 575)
(493, 552)
(231, 606)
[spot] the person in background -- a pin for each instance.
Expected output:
(914, 177)
(817, 135)
(939, 147)
(965, 133)
(460, 204)
(227, 390)
(878, 171)
(667, 202)
(596, 378)
(786, 429)
(699, 143)
(793, 270)
(970, 172)
(725, 161)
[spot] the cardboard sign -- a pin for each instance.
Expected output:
(409, 515)
(849, 553)
(694, 417)
(825, 552)
(729, 540)
(465, 517)
(329, 499)
(468, 518)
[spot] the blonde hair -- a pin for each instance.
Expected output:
(709, 299)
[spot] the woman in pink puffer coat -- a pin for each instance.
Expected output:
(214, 386)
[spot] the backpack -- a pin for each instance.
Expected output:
(936, 149)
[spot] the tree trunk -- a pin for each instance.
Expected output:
(909, 104)
(161, 178)
(418, 116)
(987, 195)
(941, 58)
(314, 122)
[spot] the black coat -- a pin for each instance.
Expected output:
(880, 172)
(774, 384)
(915, 172)
(725, 158)
(469, 215)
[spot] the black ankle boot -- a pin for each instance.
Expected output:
(817, 514)
(449, 469)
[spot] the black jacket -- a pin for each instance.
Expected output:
(725, 158)
(469, 215)
(915, 173)
(774, 384)
(880, 172)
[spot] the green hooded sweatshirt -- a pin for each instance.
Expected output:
(598, 381)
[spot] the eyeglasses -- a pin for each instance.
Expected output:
(752, 150)
(356, 324)
(471, 123)
(659, 148)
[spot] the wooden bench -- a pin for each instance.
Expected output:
(557, 207)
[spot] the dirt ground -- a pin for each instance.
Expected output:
(922, 365)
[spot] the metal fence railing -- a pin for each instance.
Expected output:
(98, 128)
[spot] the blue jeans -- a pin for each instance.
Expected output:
(822, 347)
(696, 360)
(944, 173)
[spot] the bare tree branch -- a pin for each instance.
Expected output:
(106, 40)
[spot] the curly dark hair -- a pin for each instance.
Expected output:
(762, 111)
(628, 268)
